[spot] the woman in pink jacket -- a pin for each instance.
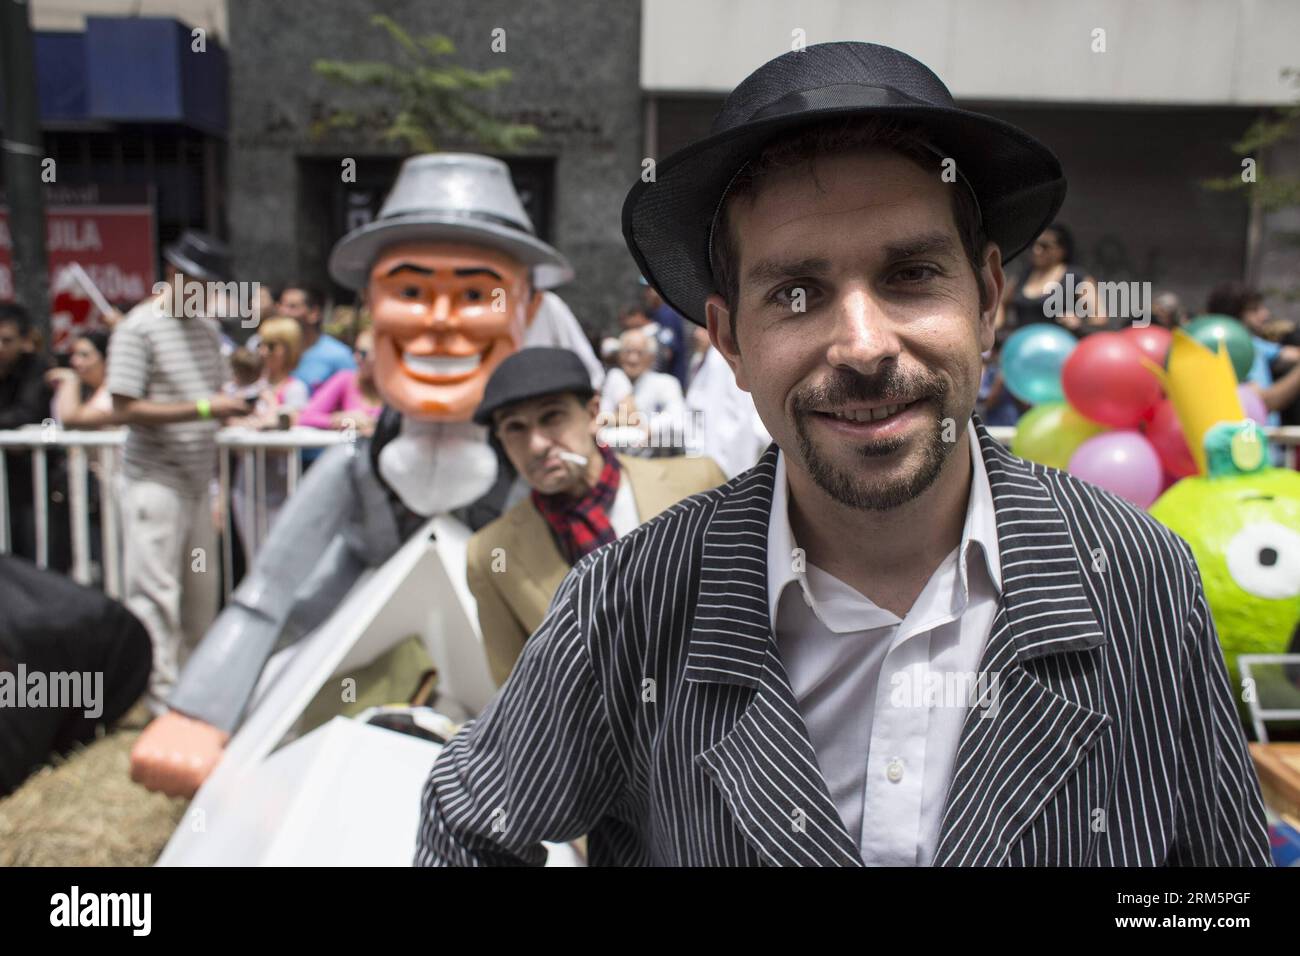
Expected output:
(347, 396)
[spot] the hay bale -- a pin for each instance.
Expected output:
(84, 810)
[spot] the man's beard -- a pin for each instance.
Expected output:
(850, 487)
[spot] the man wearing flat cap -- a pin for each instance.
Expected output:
(541, 411)
(890, 642)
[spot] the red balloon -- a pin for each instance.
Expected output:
(1165, 432)
(1153, 340)
(1105, 380)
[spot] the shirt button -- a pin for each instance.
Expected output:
(894, 770)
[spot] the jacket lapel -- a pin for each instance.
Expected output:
(532, 546)
(765, 765)
(1022, 742)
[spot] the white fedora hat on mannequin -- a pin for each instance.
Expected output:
(456, 197)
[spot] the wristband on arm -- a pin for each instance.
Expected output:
(204, 408)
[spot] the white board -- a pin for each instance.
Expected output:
(420, 590)
(347, 794)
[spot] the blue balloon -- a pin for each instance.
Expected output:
(1031, 362)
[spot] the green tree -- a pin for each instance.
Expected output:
(423, 97)
(1266, 192)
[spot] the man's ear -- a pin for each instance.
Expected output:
(993, 280)
(717, 318)
(593, 412)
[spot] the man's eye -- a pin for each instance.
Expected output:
(794, 297)
(916, 273)
(410, 292)
(473, 295)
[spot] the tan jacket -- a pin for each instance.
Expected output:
(512, 602)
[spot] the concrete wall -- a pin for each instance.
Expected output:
(575, 77)
(1275, 268)
(1202, 52)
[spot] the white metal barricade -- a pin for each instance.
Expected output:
(96, 456)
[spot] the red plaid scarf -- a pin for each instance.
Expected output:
(582, 524)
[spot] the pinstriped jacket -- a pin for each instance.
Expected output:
(651, 709)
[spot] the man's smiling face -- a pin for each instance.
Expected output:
(859, 326)
(445, 316)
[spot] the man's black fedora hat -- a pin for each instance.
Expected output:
(200, 256)
(532, 373)
(667, 222)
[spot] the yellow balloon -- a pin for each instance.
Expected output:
(1049, 434)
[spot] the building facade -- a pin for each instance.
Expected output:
(575, 78)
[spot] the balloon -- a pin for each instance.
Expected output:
(1032, 357)
(1152, 340)
(1105, 380)
(1049, 434)
(1165, 432)
(1122, 462)
(1211, 330)
(1253, 404)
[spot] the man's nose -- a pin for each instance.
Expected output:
(539, 443)
(864, 336)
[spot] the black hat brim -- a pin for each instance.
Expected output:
(1017, 181)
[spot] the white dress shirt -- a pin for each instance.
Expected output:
(884, 698)
(623, 516)
(655, 393)
(659, 403)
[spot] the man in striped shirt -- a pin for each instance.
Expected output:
(165, 372)
(891, 642)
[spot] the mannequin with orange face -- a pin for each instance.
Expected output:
(445, 316)
(447, 308)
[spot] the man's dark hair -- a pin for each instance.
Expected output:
(311, 295)
(15, 313)
(823, 139)
(632, 309)
(1233, 298)
(1064, 238)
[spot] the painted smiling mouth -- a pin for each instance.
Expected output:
(441, 366)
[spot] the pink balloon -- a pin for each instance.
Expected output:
(1153, 340)
(1253, 405)
(1124, 463)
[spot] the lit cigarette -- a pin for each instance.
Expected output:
(579, 460)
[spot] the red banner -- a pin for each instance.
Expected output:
(113, 243)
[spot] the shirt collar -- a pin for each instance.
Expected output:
(979, 534)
